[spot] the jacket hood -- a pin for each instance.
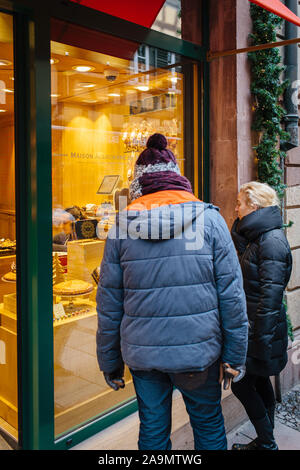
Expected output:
(258, 222)
(184, 220)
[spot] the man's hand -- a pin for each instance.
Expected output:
(115, 379)
(227, 374)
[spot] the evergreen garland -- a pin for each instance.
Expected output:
(267, 87)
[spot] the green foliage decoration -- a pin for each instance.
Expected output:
(267, 87)
(289, 323)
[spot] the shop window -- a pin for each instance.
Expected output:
(105, 105)
(8, 268)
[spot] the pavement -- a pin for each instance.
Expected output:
(287, 438)
(287, 425)
(3, 444)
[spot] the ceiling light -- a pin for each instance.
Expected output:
(87, 85)
(54, 95)
(142, 88)
(7, 90)
(4, 62)
(53, 61)
(174, 79)
(2, 110)
(83, 68)
(90, 101)
(114, 94)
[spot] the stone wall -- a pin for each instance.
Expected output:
(293, 235)
(231, 140)
(292, 203)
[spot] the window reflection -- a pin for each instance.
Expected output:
(8, 268)
(104, 108)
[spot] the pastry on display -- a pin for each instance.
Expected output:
(58, 270)
(69, 313)
(11, 276)
(73, 287)
(7, 243)
(7, 246)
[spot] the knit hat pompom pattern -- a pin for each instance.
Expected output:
(157, 141)
(156, 169)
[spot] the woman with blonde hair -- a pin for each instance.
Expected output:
(266, 263)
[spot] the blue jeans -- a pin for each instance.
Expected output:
(154, 394)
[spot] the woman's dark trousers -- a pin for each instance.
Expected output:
(257, 396)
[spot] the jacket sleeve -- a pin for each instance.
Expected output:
(239, 241)
(110, 308)
(231, 296)
(274, 272)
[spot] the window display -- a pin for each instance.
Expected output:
(104, 108)
(8, 268)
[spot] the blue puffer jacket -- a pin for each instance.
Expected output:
(169, 301)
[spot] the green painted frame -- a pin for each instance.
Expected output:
(34, 202)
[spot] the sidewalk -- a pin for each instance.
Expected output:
(287, 424)
(287, 427)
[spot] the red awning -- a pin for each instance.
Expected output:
(145, 13)
(136, 11)
(279, 9)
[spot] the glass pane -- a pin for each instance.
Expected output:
(104, 107)
(168, 20)
(8, 317)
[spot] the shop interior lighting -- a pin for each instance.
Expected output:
(54, 95)
(53, 61)
(90, 101)
(83, 68)
(4, 62)
(87, 85)
(142, 88)
(174, 79)
(7, 90)
(2, 110)
(114, 94)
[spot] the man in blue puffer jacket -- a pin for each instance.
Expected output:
(170, 302)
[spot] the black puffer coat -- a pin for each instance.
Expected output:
(266, 263)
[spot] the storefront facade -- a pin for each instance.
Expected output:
(80, 92)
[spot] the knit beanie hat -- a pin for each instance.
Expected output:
(156, 169)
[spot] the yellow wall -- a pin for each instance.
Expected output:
(7, 182)
(86, 147)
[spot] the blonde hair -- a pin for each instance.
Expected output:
(259, 194)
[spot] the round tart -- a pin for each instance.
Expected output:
(11, 276)
(74, 287)
(7, 244)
